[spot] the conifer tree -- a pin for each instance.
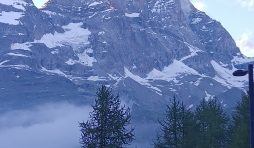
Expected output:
(212, 123)
(176, 127)
(107, 125)
(240, 126)
(190, 132)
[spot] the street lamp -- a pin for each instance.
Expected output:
(251, 99)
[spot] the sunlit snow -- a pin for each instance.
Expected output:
(161, 5)
(196, 20)
(18, 4)
(132, 15)
(74, 36)
(225, 76)
(24, 46)
(1, 63)
(169, 73)
(55, 71)
(95, 3)
(114, 77)
(101, 33)
(96, 78)
(56, 51)
(208, 96)
(141, 81)
(190, 106)
(11, 18)
(52, 13)
(13, 66)
(224, 65)
(198, 82)
(15, 54)
(70, 62)
(59, 72)
(204, 28)
(84, 59)
(193, 51)
(240, 60)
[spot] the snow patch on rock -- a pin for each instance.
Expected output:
(70, 62)
(5, 61)
(198, 82)
(23, 46)
(59, 72)
(50, 13)
(23, 67)
(15, 54)
(11, 18)
(190, 106)
(171, 72)
(18, 4)
(141, 81)
(161, 5)
(193, 51)
(132, 15)
(74, 36)
(241, 60)
(226, 78)
(95, 3)
(96, 78)
(56, 51)
(196, 20)
(208, 96)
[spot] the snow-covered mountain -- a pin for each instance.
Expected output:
(147, 50)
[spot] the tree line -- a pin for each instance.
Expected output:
(206, 126)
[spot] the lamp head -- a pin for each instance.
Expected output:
(240, 73)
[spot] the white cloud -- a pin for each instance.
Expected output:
(246, 3)
(47, 126)
(199, 5)
(40, 3)
(246, 43)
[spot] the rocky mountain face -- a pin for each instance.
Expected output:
(147, 50)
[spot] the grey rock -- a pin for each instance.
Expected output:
(146, 50)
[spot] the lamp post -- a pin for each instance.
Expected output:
(251, 99)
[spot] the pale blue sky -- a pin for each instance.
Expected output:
(237, 16)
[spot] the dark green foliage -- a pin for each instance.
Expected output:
(176, 128)
(212, 125)
(240, 126)
(107, 125)
(207, 127)
(190, 130)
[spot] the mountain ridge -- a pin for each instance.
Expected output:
(159, 48)
(145, 50)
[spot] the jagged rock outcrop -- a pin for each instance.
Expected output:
(147, 50)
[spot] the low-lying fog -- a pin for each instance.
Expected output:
(55, 126)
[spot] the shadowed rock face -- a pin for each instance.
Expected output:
(147, 50)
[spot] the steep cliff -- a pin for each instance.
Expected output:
(147, 50)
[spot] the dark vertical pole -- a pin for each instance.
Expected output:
(251, 107)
